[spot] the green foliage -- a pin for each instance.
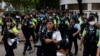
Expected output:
(29, 4)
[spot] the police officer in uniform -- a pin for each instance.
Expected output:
(9, 31)
(39, 37)
(56, 21)
(34, 23)
(63, 27)
(10, 39)
(26, 29)
(51, 39)
(6, 19)
(73, 33)
(84, 22)
(90, 38)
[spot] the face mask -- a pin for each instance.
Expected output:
(92, 23)
(50, 17)
(54, 14)
(60, 54)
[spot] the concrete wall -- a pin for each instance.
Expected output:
(62, 2)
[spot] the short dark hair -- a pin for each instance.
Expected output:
(91, 18)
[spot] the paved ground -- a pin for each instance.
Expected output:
(19, 50)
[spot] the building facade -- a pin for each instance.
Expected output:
(88, 5)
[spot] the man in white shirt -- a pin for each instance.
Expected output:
(51, 39)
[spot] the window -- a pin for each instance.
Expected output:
(96, 6)
(75, 7)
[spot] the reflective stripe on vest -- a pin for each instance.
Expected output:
(80, 21)
(66, 22)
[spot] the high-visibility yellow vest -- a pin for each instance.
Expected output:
(14, 29)
(66, 22)
(56, 22)
(34, 21)
(1, 22)
(99, 39)
(80, 20)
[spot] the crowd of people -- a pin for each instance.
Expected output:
(53, 32)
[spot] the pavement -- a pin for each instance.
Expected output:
(19, 50)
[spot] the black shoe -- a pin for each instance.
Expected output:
(24, 53)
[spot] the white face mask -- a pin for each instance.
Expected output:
(54, 14)
(50, 17)
(92, 23)
(60, 54)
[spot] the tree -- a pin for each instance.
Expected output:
(0, 1)
(80, 6)
(50, 3)
(19, 4)
(29, 4)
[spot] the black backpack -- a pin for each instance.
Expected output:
(91, 38)
(63, 24)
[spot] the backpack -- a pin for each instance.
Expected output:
(91, 38)
(63, 24)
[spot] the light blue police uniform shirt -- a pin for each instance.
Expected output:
(77, 26)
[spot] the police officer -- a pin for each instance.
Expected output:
(90, 38)
(10, 39)
(6, 19)
(63, 27)
(8, 31)
(73, 33)
(56, 21)
(84, 22)
(39, 37)
(34, 23)
(26, 29)
(51, 39)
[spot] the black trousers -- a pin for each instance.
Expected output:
(5, 45)
(27, 41)
(8, 49)
(40, 51)
(63, 34)
(74, 40)
(89, 51)
(33, 35)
